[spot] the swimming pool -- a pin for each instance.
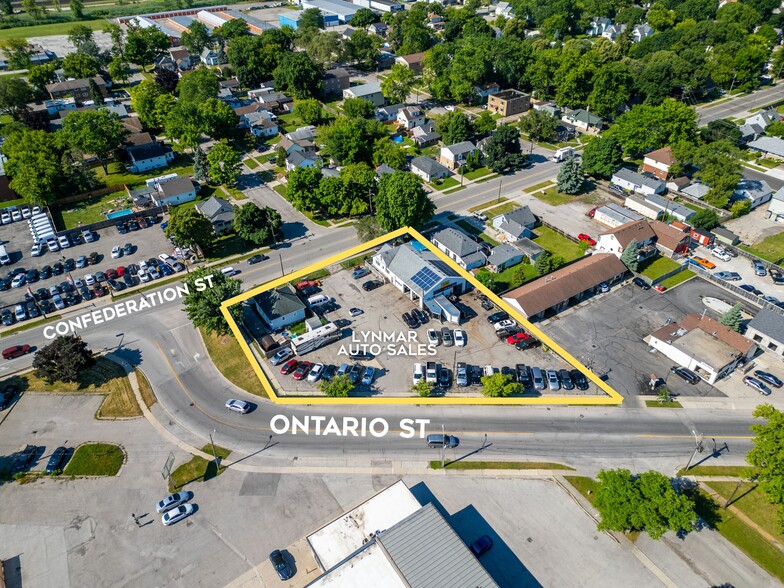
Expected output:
(397, 139)
(119, 213)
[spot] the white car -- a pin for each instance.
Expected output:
(19, 281)
(721, 254)
(20, 312)
(460, 338)
(63, 241)
(77, 283)
(504, 324)
(173, 500)
(450, 108)
(480, 215)
(239, 406)
(37, 250)
(117, 252)
(165, 258)
(281, 356)
(16, 215)
(144, 276)
(315, 372)
(88, 236)
(26, 213)
(36, 209)
(89, 279)
(52, 244)
(143, 264)
(6, 218)
(179, 513)
(432, 337)
(153, 271)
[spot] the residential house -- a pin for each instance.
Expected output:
(77, 89)
(166, 62)
(598, 25)
(763, 118)
(776, 206)
(678, 184)
(503, 256)
(696, 190)
(147, 156)
(770, 147)
(615, 215)
(641, 32)
(307, 133)
(299, 159)
(613, 31)
(209, 57)
(583, 120)
(750, 132)
(428, 168)
(260, 124)
(275, 101)
(637, 182)
(302, 146)
(566, 286)
(384, 169)
(264, 88)
(378, 28)
(504, 9)
(280, 307)
(387, 113)
(422, 277)
(509, 102)
(435, 22)
(219, 212)
(172, 190)
(515, 224)
(701, 236)
(410, 117)
(658, 163)
(703, 345)
(530, 249)
(454, 156)
(487, 89)
(616, 240)
(766, 329)
(670, 240)
(346, 34)
(335, 81)
(654, 207)
(425, 135)
(371, 92)
(755, 191)
(412, 62)
(550, 108)
(466, 252)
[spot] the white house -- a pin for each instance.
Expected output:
(598, 25)
(466, 252)
(152, 155)
(503, 256)
(654, 206)
(219, 212)
(454, 156)
(637, 182)
(766, 329)
(504, 9)
(172, 190)
(776, 206)
(582, 120)
(616, 240)
(209, 57)
(299, 159)
(280, 307)
(611, 33)
(515, 224)
(763, 118)
(410, 117)
(371, 92)
(641, 32)
(658, 163)
(260, 123)
(428, 168)
(755, 191)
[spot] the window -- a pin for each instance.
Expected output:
(772, 346)
(757, 338)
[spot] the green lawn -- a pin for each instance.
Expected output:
(96, 459)
(751, 501)
(539, 186)
(585, 486)
(658, 266)
(444, 183)
(553, 197)
(558, 244)
(228, 246)
(771, 248)
(453, 190)
(56, 28)
(280, 189)
(500, 465)
(678, 278)
(198, 469)
(488, 239)
(768, 163)
(91, 211)
(478, 173)
(228, 357)
(665, 404)
(120, 176)
(714, 471)
(509, 278)
(250, 163)
(468, 227)
(291, 121)
(503, 209)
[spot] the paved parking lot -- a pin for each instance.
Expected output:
(742, 265)
(394, 360)
(606, 332)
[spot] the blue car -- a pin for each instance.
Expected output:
(360, 273)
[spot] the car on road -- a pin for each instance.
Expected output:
(460, 338)
(701, 261)
(282, 567)
(371, 285)
(368, 375)
(481, 545)
(257, 259)
(517, 338)
(751, 289)
(315, 372)
(758, 267)
(173, 501)
(686, 374)
(302, 369)
(25, 457)
(450, 108)
(16, 351)
(728, 276)
(586, 239)
(360, 272)
(432, 337)
(640, 283)
(355, 311)
(440, 440)
(177, 514)
(56, 461)
(281, 356)
(289, 367)
(753, 382)
(768, 378)
(239, 406)
(504, 324)
(117, 252)
(498, 316)
(446, 337)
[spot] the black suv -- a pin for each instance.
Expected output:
(370, 285)
(686, 374)
(524, 375)
(580, 381)
(639, 282)
(497, 317)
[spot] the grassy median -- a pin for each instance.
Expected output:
(96, 459)
(226, 354)
(198, 469)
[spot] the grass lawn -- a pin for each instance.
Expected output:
(148, 396)
(488, 178)
(453, 190)
(506, 279)
(250, 163)
(751, 501)
(585, 486)
(658, 266)
(280, 189)
(56, 28)
(228, 357)
(229, 245)
(477, 173)
(291, 121)
(768, 163)
(95, 459)
(92, 210)
(500, 465)
(488, 204)
(503, 209)
(297, 328)
(665, 404)
(488, 239)
(689, 205)
(120, 176)
(715, 471)
(558, 244)
(358, 260)
(678, 278)
(198, 469)
(444, 183)
(553, 197)
(468, 227)
(771, 248)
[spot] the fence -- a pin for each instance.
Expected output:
(743, 253)
(110, 222)
(661, 278)
(748, 296)
(88, 195)
(559, 231)
(723, 214)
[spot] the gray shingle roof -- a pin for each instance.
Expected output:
(772, 145)
(176, 186)
(503, 253)
(216, 209)
(457, 242)
(279, 302)
(769, 323)
(462, 147)
(638, 178)
(405, 262)
(147, 151)
(517, 221)
(428, 165)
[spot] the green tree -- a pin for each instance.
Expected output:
(659, 18)
(386, 151)
(645, 128)
(502, 151)
(142, 46)
(95, 131)
(280, 157)
(500, 386)
(337, 387)
(402, 201)
(118, 69)
(487, 279)
(398, 83)
(77, 8)
(705, 219)
(234, 28)
(351, 140)
(302, 188)
(775, 129)
(80, 34)
(164, 105)
(311, 18)
(34, 165)
(79, 65)
(362, 49)
(647, 502)
(201, 169)
(198, 85)
(203, 305)
(256, 225)
(612, 87)
(453, 127)
(40, 75)
(185, 124)
(422, 388)
(358, 108)
(484, 124)
(17, 52)
(602, 156)
(189, 228)
(95, 92)
(33, 10)
(254, 58)
(143, 97)
(15, 93)
(325, 48)
(547, 262)
(364, 17)
(196, 38)
(298, 75)
(63, 360)
(726, 130)
(225, 163)
(539, 125)
(767, 455)
(367, 229)
(220, 120)
(732, 318)
(740, 208)
(570, 176)
(310, 111)
(630, 255)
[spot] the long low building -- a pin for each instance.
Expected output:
(614, 215)
(567, 286)
(345, 11)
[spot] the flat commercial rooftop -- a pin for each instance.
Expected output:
(369, 563)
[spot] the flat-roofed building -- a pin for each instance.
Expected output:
(509, 102)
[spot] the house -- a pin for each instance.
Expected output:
(347, 32)
(670, 240)
(174, 190)
(598, 25)
(509, 102)
(654, 207)
(763, 118)
(703, 345)
(678, 184)
(766, 329)
(503, 256)
(467, 253)
(750, 132)
(615, 215)
(412, 62)
(428, 168)
(530, 249)
(410, 117)
(371, 92)
(504, 9)
(724, 235)
(637, 182)
(77, 89)
(422, 277)
(613, 31)
(776, 206)
(280, 307)
(147, 156)
(770, 147)
(435, 22)
(550, 108)
(696, 190)
(274, 100)
(616, 240)
(566, 286)
(260, 124)
(307, 133)
(658, 163)
(515, 224)
(454, 156)
(425, 135)
(378, 28)
(485, 90)
(302, 146)
(219, 212)
(387, 113)
(641, 32)
(299, 159)
(209, 57)
(583, 120)
(335, 81)
(755, 191)
(384, 169)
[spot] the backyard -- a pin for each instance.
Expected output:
(771, 248)
(553, 197)
(119, 175)
(558, 244)
(657, 267)
(90, 211)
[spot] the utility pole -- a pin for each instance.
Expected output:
(697, 449)
(282, 273)
(214, 454)
(737, 487)
(501, 183)
(443, 446)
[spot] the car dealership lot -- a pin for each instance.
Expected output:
(381, 320)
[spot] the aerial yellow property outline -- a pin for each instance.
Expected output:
(612, 398)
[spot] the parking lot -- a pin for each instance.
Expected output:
(606, 333)
(147, 242)
(381, 320)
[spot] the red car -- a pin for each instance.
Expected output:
(99, 290)
(592, 212)
(120, 271)
(302, 370)
(289, 367)
(586, 239)
(111, 273)
(517, 338)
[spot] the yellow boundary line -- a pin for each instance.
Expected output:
(612, 398)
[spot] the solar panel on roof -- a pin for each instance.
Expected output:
(425, 278)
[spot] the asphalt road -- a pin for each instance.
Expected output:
(738, 106)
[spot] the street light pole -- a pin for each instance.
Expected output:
(443, 446)
(697, 449)
(214, 454)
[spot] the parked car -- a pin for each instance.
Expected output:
(776, 276)
(127, 249)
(25, 457)
(517, 338)
(81, 262)
(567, 383)
(481, 545)
(302, 370)
(552, 380)
(281, 356)
(353, 373)
(368, 375)
(282, 568)
(753, 382)
(117, 252)
(523, 375)
(750, 289)
(289, 367)
(686, 374)
(56, 460)
(504, 324)
(176, 515)
(461, 375)
(371, 285)
(580, 381)
(497, 317)
(460, 338)
(328, 373)
(759, 268)
(432, 337)
(728, 276)
(410, 321)
(446, 337)
(173, 501)
(586, 239)
(360, 272)
(239, 406)
(315, 372)
(701, 261)
(420, 315)
(640, 283)
(768, 378)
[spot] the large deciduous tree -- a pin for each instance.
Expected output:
(310, 111)
(602, 156)
(402, 201)
(15, 93)
(203, 305)
(539, 125)
(398, 83)
(34, 165)
(257, 225)
(142, 46)
(225, 163)
(351, 140)
(196, 38)
(298, 75)
(143, 98)
(95, 131)
(358, 108)
(63, 360)
(767, 455)
(189, 228)
(453, 127)
(502, 151)
(198, 85)
(645, 128)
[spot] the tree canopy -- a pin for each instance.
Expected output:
(63, 360)
(402, 201)
(203, 305)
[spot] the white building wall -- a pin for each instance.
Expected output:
(642, 208)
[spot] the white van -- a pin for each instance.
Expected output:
(318, 299)
(431, 375)
(228, 271)
(4, 259)
(419, 373)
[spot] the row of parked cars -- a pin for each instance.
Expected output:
(26, 457)
(313, 372)
(12, 214)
